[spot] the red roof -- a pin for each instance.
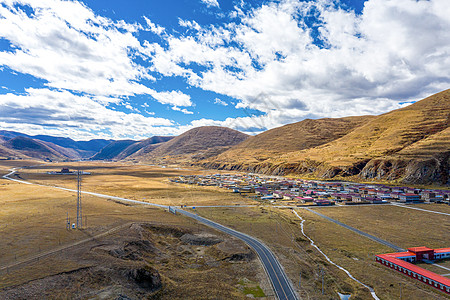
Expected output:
(416, 269)
(442, 250)
(420, 249)
(401, 254)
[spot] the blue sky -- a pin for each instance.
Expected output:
(134, 69)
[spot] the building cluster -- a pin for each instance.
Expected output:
(402, 262)
(304, 192)
(67, 171)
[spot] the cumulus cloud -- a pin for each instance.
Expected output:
(220, 102)
(184, 110)
(274, 61)
(210, 3)
(70, 47)
(287, 59)
(44, 110)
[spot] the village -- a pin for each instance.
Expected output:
(299, 192)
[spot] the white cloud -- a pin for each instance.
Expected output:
(60, 112)
(270, 59)
(153, 27)
(69, 46)
(220, 102)
(274, 62)
(175, 98)
(210, 3)
(189, 24)
(184, 110)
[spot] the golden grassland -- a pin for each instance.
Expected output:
(36, 222)
(137, 182)
(401, 226)
(356, 254)
(439, 207)
(33, 221)
(33, 218)
(281, 233)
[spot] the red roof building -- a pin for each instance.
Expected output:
(401, 261)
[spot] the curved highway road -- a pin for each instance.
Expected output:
(280, 283)
(277, 276)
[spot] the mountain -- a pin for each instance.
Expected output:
(36, 149)
(112, 150)
(120, 150)
(195, 144)
(289, 138)
(145, 144)
(84, 149)
(6, 153)
(410, 145)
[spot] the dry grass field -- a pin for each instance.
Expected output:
(33, 221)
(401, 226)
(282, 234)
(281, 231)
(439, 207)
(137, 182)
(357, 254)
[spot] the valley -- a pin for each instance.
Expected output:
(155, 240)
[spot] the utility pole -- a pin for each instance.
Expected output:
(322, 272)
(79, 212)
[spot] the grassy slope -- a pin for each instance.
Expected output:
(207, 140)
(410, 144)
(387, 134)
(34, 148)
(289, 138)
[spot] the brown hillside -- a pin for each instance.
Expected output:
(410, 144)
(9, 153)
(289, 138)
(386, 134)
(197, 143)
(33, 148)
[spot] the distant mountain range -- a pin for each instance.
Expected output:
(21, 145)
(410, 145)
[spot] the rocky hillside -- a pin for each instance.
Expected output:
(410, 145)
(195, 144)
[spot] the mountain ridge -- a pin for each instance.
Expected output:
(388, 139)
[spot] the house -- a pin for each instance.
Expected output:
(410, 198)
(427, 196)
(323, 202)
(402, 262)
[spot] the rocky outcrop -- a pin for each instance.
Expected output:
(431, 170)
(146, 278)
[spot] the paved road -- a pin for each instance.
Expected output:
(278, 278)
(280, 283)
(421, 209)
(374, 238)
